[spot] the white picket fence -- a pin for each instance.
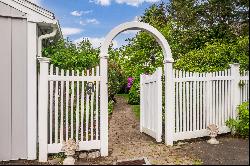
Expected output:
(73, 112)
(69, 108)
(202, 99)
(151, 104)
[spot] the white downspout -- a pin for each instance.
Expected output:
(40, 39)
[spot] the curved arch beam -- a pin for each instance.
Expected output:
(169, 84)
(137, 26)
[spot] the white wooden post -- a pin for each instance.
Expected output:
(159, 104)
(104, 105)
(43, 109)
(32, 91)
(235, 73)
(141, 102)
(169, 103)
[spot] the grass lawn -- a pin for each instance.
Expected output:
(136, 110)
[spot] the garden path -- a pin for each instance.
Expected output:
(126, 141)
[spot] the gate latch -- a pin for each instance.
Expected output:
(90, 88)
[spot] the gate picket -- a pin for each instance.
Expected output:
(151, 104)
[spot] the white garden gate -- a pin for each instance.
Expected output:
(69, 107)
(151, 104)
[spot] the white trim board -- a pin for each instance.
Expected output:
(34, 12)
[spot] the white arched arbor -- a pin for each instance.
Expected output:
(168, 71)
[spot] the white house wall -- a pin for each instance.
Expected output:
(13, 102)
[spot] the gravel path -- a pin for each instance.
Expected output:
(126, 141)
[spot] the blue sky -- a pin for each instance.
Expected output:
(95, 18)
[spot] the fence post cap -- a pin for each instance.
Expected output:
(43, 59)
(235, 64)
(169, 60)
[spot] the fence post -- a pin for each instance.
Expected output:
(159, 104)
(141, 102)
(169, 103)
(235, 73)
(104, 105)
(43, 109)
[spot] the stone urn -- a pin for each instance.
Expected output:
(69, 148)
(213, 131)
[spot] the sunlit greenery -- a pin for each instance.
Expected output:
(204, 35)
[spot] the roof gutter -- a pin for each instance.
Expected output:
(46, 36)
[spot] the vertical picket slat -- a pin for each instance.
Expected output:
(62, 112)
(177, 92)
(226, 97)
(191, 99)
(72, 106)
(92, 109)
(213, 102)
(203, 102)
(87, 114)
(184, 103)
(188, 103)
(231, 96)
(97, 104)
(194, 105)
(219, 100)
(181, 102)
(82, 107)
(223, 99)
(146, 104)
(77, 107)
(67, 106)
(51, 91)
(151, 106)
(56, 108)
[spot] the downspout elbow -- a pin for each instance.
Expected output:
(40, 39)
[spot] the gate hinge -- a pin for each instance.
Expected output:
(163, 78)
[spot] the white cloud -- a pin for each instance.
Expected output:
(38, 2)
(82, 22)
(128, 2)
(101, 2)
(96, 42)
(67, 31)
(135, 2)
(92, 21)
(89, 21)
(80, 13)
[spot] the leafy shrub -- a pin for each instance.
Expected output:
(110, 107)
(134, 93)
(241, 124)
(116, 79)
(216, 56)
(69, 56)
(66, 55)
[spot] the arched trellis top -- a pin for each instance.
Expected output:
(137, 26)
